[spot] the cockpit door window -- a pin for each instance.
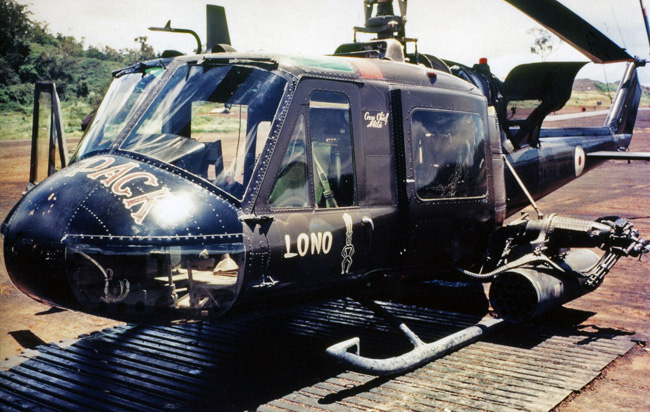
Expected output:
(331, 150)
(291, 188)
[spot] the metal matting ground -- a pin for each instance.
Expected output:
(278, 363)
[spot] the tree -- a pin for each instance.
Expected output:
(82, 88)
(14, 25)
(544, 42)
(144, 52)
(15, 30)
(29, 52)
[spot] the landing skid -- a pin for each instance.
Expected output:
(420, 354)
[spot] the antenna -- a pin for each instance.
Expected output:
(645, 20)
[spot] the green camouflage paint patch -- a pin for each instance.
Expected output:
(325, 63)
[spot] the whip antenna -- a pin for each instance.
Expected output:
(645, 20)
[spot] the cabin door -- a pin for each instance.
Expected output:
(446, 178)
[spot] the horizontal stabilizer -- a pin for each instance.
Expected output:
(573, 29)
(619, 155)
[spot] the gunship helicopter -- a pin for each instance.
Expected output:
(210, 184)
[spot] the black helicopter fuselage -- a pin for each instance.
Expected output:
(221, 181)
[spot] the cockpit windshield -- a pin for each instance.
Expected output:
(127, 93)
(211, 120)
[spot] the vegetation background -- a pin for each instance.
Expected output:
(30, 53)
(82, 73)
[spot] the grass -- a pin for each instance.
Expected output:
(592, 98)
(213, 118)
(17, 125)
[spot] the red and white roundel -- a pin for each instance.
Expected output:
(579, 160)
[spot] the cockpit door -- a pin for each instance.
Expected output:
(311, 192)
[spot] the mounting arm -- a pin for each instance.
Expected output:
(168, 28)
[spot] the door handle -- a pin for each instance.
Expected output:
(367, 220)
(252, 218)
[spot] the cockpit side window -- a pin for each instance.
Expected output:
(448, 154)
(331, 150)
(291, 188)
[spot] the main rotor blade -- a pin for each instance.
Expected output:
(573, 29)
(217, 26)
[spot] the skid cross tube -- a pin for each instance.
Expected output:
(421, 353)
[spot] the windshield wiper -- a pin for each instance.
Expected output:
(139, 67)
(262, 62)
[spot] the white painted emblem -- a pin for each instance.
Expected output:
(348, 249)
(116, 177)
(579, 160)
(376, 121)
(314, 244)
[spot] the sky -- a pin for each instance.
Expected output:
(458, 30)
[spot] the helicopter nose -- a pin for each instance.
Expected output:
(126, 239)
(33, 253)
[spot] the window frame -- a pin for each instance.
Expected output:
(301, 114)
(310, 155)
(412, 149)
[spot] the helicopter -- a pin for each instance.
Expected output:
(211, 184)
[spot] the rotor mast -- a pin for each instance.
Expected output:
(385, 22)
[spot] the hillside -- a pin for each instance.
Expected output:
(30, 53)
(592, 93)
(588, 85)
